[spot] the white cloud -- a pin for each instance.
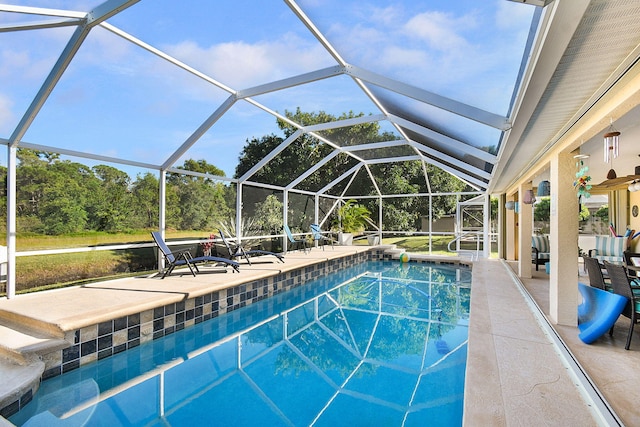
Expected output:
(406, 57)
(7, 117)
(240, 64)
(440, 30)
(387, 16)
(512, 15)
(23, 65)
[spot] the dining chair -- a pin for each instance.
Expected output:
(622, 286)
(596, 276)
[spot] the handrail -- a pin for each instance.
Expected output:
(460, 236)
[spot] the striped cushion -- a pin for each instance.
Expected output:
(541, 243)
(544, 255)
(610, 246)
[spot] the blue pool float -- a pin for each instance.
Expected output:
(598, 312)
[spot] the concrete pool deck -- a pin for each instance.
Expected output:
(514, 373)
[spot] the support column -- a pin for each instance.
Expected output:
(380, 220)
(525, 231)
(162, 212)
(486, 235)
(12, 161)
(500, 227)
(285, 219)
(510, 228)
(563, 281)
(239, 213)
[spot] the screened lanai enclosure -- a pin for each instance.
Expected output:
(191, 117)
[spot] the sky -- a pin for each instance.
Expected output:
(116, 99)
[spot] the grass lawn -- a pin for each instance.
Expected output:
(41, 242)
(51, 271)
(39, 272)
(420, 244)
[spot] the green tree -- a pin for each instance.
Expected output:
(200, 201)
(65, 198)
(542, 209)
(112, 207)
(268, 216)
(603, 213)
(145, 191)
(401, 213)
(202, 166)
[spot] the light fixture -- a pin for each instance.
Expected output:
(611, 145)
(529, 197)
(544, 188)
(510, 205)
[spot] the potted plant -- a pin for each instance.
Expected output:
(352, 218)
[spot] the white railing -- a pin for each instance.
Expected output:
(460, 236)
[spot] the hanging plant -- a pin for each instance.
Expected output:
(581, 184)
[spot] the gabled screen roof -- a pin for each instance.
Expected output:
(151, 83)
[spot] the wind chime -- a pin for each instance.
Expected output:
(611, 141)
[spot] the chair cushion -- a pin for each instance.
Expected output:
(609, 246)
(541, 243)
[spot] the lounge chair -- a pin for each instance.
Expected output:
(176, 259)
(293, 240)
(239, 251)
(319, 237)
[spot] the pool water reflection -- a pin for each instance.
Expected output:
(387, 347)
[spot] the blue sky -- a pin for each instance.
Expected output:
(118, 100)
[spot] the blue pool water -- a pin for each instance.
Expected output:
(386, 347)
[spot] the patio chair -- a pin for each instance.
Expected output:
(596, 276)
(632, 259)
(540, 250)
(622, 286)
(292, 240)
(240, 252)
(176, 259)
(319, 237)
(609, 248)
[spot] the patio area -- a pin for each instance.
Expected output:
(606, 362)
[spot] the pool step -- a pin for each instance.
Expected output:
(21, 366)
(438, 259)
(18, 385)
(29, 324)
(19, 344)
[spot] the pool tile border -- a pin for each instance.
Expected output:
(105, 339)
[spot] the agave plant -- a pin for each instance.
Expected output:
(249, 228)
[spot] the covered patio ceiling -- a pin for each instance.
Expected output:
(122, 70)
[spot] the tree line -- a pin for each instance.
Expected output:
(57, 196)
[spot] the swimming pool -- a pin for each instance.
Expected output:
(385, 347)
